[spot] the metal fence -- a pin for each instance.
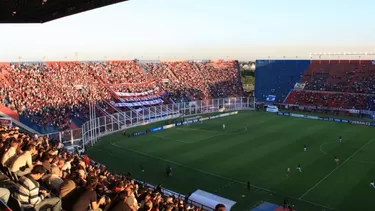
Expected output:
(67, 136)
(95, 128)
(100, 126)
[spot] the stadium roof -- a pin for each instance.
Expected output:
(40, 11)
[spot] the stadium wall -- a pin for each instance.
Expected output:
(277, 77)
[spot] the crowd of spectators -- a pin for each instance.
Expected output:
(51, 94)
(198, 80)
(49, 177)
(346, 85)
(222, 78)
(330, 99)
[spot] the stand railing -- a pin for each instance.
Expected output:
(106, 125)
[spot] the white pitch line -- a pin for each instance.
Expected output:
(308, 191)
(195, 169)
(321, 146)
(222, 187)
(216, 175)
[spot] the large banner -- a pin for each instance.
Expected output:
(271, 98)
(272, 108)
(5, 121)
(140, 103)
(132, 94)
(143, 98)
(354, 122)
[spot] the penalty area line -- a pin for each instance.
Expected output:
(329, 174)
(217, 175)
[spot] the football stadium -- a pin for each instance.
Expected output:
(184, 135)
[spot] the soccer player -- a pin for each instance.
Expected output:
(337, 160)
(340, 139)
(372, 184)
(223, 126)
(142, 168)
(287, 172)
(169, 171)
(248, 186)
(299, 168)
(304, 148)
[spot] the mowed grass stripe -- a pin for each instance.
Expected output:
(341, 183)
(223, 148)
(206, 147)
(201, 184)
(335, 169)
(310, 159)
(159, 145)
(351, 199)
(260, 155)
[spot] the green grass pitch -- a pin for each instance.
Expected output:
(256, 147)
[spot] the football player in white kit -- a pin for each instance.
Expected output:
(223, 126)
(337, 160)
(299, 168)
(372, 184)
(287, 172)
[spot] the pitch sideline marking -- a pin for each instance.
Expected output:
(329, 174)
(332, 142)
(216, 175)
(223, 187)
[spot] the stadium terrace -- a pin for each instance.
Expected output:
(188, 125)
(54, 96)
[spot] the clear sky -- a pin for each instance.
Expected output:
(197, 29)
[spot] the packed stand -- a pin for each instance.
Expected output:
(46, 176)
(222, 77)
(169, 81)
(198, 80)
(56, 94)
(339, 85)
(50, 94)
(124, 76)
